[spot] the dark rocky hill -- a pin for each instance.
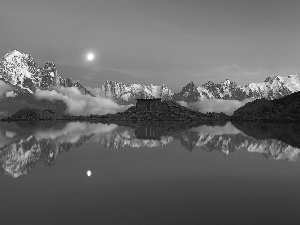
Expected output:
(283, 109)
(11, 105)
(35, 114)
(173, 112)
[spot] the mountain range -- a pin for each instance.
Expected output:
(21, 71)
(273, 87)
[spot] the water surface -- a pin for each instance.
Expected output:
(81, 173)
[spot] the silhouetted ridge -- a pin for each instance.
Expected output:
(286, 108)
(172, 111)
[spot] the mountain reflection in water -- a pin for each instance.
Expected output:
(23, 145)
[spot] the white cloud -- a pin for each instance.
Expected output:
(79, 104)
(216, 105)
(4, 88)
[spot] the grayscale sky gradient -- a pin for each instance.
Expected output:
(152, 41)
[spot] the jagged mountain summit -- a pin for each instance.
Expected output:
(20, 70)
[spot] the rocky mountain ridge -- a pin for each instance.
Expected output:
(273, 87)
(21, 71)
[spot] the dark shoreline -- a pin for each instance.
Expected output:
(101, 119)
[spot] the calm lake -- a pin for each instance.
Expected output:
(84, 173)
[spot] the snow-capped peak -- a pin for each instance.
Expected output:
(20, 70)
(227, 82)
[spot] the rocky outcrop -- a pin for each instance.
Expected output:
(283, 109)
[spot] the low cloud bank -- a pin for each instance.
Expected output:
(216, 105)
(79, 104)
(4, 88)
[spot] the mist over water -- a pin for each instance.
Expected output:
(79, 104)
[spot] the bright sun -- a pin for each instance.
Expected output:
(90, 56)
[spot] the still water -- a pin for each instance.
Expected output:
(83, 173)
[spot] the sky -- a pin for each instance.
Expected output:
(169, 42)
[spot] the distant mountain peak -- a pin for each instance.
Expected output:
(227, 81)
(209, 83)
(14, 53)
(271, 78)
